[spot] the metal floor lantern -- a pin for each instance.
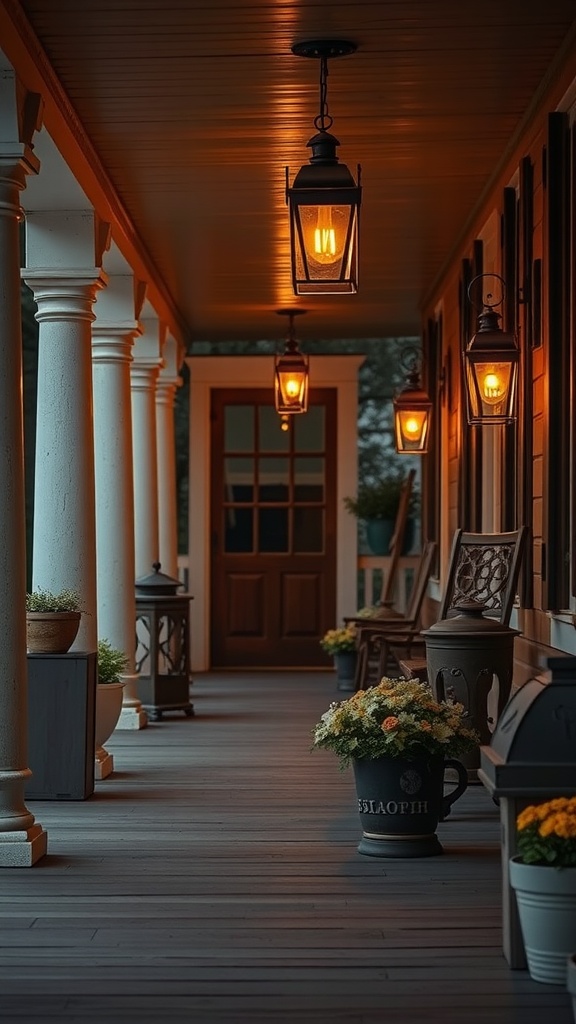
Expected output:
(162, 645)
(471, 657)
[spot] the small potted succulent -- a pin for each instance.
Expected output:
(52, 620)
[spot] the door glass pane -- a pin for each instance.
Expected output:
(273, 530)
(238, 479)
(308, 530)
(309, 434)
(239, 428)
(271, 438)
(308, 479)
(239, 529)
(273, 480)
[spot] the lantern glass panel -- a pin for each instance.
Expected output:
(325, 248)
(491, 387)
(291, 386)
(412, 430)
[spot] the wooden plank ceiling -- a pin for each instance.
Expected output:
(196, 107)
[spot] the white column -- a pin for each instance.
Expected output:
(22, 840)
(143, 374)
(59, 247)
(168, 382)
(113, 335)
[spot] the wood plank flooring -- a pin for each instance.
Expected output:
(215, 879)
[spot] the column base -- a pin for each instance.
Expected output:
(103, 764)
(22, 849)
(132, 718)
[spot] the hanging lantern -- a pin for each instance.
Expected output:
(291, 372)
(491, 371)
(324, 200)
(412, 413)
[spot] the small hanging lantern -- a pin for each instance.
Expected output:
(491, 369)
(291, 372)
(412, 409)
(324, 200)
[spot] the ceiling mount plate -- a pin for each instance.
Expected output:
(324, 48)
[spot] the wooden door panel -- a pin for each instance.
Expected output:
(273, 528)
(300, 604)
(245, 604)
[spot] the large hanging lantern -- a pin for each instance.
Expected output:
(291, 372)
(412, 414)
(491, 370)
(324, 200)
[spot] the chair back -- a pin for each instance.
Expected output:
(395, 549)
(484, 567)
(420, 582)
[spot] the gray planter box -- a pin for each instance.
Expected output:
(61, 724)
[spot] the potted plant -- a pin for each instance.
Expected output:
(52, 620)
(341, 644)
(376, 504)
(111, 663)
(543, 876)
(399, 740)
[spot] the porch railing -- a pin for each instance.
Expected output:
(372, 575)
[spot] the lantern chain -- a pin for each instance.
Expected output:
(323, 122)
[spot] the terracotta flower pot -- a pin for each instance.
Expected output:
(51, 632)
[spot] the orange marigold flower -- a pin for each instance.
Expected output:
(390, 723)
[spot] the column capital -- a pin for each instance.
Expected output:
(64, 295)
(109, 346)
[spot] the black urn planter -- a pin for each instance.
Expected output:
(401, 802)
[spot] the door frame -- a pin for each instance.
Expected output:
(209, 372)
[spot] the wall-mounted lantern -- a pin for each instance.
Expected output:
(324, 199)
(491, 362)
(291, 372)
(412, 409)
(412, 414)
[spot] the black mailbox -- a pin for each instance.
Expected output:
(531, 758)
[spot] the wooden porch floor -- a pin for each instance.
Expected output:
(214, 879)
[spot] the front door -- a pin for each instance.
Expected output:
(273, 530)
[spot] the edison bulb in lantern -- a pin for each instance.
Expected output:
(494, 381)
(292, 387)
(325, 229)
(412, 424)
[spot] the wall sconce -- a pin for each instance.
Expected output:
(412, 412)
(324, 200)
(291, 372)
(491, 367)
